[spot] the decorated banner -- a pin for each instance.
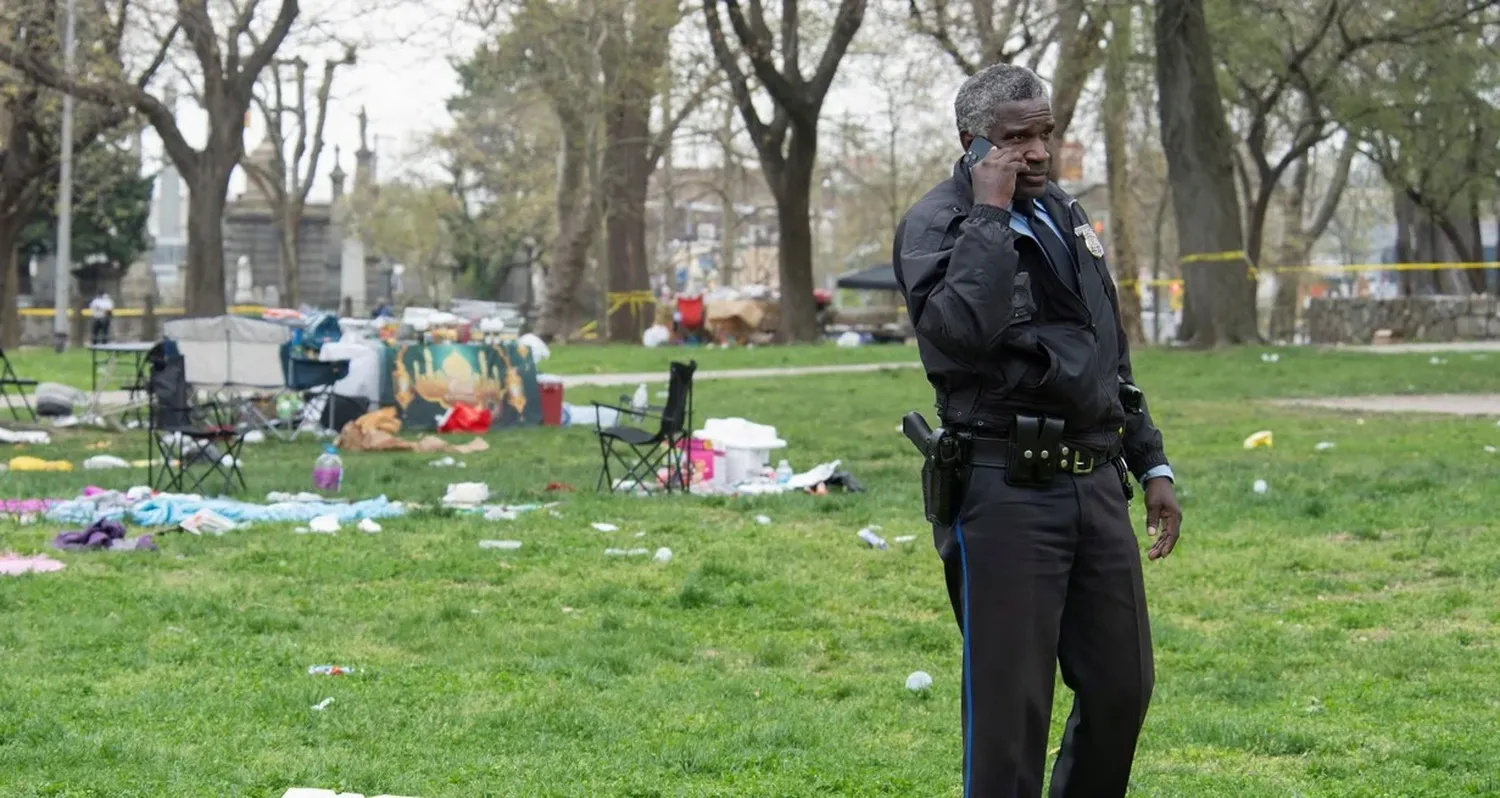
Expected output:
(424, 380)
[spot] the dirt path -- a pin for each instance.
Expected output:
(1450, 404)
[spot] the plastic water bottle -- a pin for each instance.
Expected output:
(784, 473)
(638, 403)
(328, 470)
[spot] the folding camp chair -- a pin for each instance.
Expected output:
(314, 379)
(10, 382)
(191, 438)
(641, 453)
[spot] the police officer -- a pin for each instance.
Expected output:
(1018, 327)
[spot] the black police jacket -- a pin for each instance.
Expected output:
(1001, 333)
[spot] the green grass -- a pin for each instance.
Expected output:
(1335, 638)
(72, 367)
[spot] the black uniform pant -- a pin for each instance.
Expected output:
(1041, 577)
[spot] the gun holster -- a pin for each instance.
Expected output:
(1034, 451)
(943, 470)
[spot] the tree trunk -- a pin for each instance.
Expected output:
(1124, 246)
(203, 294)
(1288, 283)
(799, 311)
(1200, 171)
(627, 173)
(1078, 57)
(1403, 210)
(291, 264)
(10, 281)
(578, 216)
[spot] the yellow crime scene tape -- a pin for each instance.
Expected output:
(1254, 272)
(133, 313)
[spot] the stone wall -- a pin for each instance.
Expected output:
(1355, 320)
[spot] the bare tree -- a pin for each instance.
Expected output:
(1006, 31)
(788, 143)
(29, 160)
(1219, 306)
(634, 61)
(230, 57)
(1115, 118)
(289, 180)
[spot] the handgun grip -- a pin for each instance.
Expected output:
(916, 430)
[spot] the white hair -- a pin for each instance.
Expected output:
(981, 95)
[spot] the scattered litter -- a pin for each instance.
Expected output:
(301, 530)
(1437, 361)
(569, 610)
(280, 496)
(309, 792)
(144, 508)
(559, 486)
(255, 436)
(368, 525)
(871, 539)
(849, 339)
(662, 555)
(322, 705)
(206, 520)
(1262, 438)
(466, 494)
(1261, 486)
(1359, 421)
(763, 520)
(14, 564)
(603, 527)
(1491, 449)
(324, 524)
(502, 545)
(626, 552)
(919, 681)
(639, 535)
(328, 670)
(1269, 357)
(100, 461)
(447, 462)
(906, 538)
(24, 436)
(1324, 446)
(29, 463)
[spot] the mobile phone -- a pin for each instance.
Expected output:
(978, 148)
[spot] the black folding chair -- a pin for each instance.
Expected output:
(191, 438)
(640, 452)
(10, 382)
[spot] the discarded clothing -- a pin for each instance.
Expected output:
(170, 509)
(106, 533)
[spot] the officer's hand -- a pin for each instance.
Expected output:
(1163, 516)
(995, 176)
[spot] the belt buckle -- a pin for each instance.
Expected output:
(1079, 462)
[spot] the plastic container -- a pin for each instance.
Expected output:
(551, 389)
(745, 448)
(328, 471)
(784, 472)
(701, 456)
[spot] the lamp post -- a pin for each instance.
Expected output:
(63, 270)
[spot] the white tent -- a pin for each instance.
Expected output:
(230, 351)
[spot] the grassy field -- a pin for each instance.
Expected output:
(72, 367)
(1335, 637)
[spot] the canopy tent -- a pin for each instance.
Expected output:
(874, 278)
(228, 351)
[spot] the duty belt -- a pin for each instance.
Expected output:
(1070, 459)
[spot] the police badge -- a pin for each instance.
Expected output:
(1086, 232)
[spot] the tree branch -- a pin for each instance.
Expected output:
(669, 127)
(261, 55)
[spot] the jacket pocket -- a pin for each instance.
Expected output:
(1056, 368)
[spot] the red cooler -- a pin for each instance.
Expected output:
(552, 400)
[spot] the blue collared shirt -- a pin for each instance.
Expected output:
(1022, 225)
